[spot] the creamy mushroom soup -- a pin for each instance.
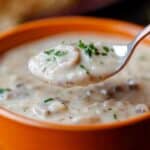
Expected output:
(121, 97)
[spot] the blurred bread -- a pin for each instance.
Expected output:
(13, 11)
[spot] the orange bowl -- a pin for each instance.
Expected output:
(21, 133)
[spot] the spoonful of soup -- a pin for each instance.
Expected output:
(82, 63)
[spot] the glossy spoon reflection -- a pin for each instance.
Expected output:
(125, 51)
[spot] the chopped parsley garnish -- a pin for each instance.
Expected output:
(81, 44)
(84, 68)
(106, 49)
(2, 90)
(60, 53)
(89, 49)
(54, 54)
(49, 52)
(48, 100)
(104, 54)
(115, 116)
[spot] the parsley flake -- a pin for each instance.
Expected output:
(60, 53)
(115, 116)
(49, 52)
(106, 49)
(48, 100)
(54, 54)
(89, 49)
(104, 54)
(81, 44)
(2, 90)
(84, 68)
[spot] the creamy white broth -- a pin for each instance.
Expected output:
(121, 97)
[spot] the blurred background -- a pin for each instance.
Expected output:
(14, 12)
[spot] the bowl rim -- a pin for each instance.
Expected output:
(131, 30)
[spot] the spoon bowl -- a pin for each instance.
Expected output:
(125, 51)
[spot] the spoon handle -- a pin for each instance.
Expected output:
(138, 39)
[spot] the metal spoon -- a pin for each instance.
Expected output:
(125, 51)
(122, 55)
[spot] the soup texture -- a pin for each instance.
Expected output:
(123, 96)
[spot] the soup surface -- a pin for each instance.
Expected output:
(121, 97)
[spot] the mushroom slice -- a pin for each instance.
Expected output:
(48, 64)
